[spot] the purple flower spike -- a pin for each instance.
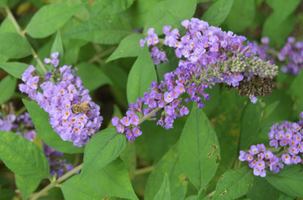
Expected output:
(72, 113)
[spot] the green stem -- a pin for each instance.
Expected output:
(56, 183)
(97, 58)
(149, 115)
(22, 33)
(19, 112)
(282, 152)
(144, 170)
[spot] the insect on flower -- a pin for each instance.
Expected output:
(83, 107)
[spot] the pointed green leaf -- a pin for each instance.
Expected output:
(270, 108)
(113, 180)
(128, 47)
(228, 128)
(284, 196)
(26, 186)
(129, 156)
(7, 88)
(293, 90)
(199, 149)
(40, 119)
(250, 127)
(138, 13)
(169, 165)
(262, 190)
(280, 112)
(164, 191)
(22, 156)
(278, 31)
(217, 13)
(158, 17)
(50, 18)
(102, 29)
(15, 69)
(281, 9)
(234, 183)
(289, 180)
(14, 45)
(140, 76)
(155, 141)
(74, 188)
(242, 12)
(57, 46)
(102, 149)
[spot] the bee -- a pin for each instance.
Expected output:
(82, 107)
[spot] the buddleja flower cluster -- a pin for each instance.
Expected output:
(208, 56)
(291, 55)
(23, 126)
(152, 40)
(287, 136)
(72, 113)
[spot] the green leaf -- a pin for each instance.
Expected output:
(129, 156)
(102, 29)
(164, 191)
(280, 112)
(7, 88)
(269, 109)
(199, 149)
(110, 7)
(155, 141)
(40, 119)
(234, 183)
(138, 13)
(92, 76)
(57, 46)
(15, 69)
(242, 12)
(14, 45)
(140, 76)
(169, 165)
(174, 20)
(74, 188)
(113, 180)
(50, 18)
(293, 89)
(22, 156)
(217, 13)
(72, 56)
(158, 17)
(289, 180)
(102, 149)
(278, 31)
(128, 47)
(228, 128)
(7, 26)
(26, 186)
(250, 127)
(283, 196)
(262, 190)
(281, 9)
